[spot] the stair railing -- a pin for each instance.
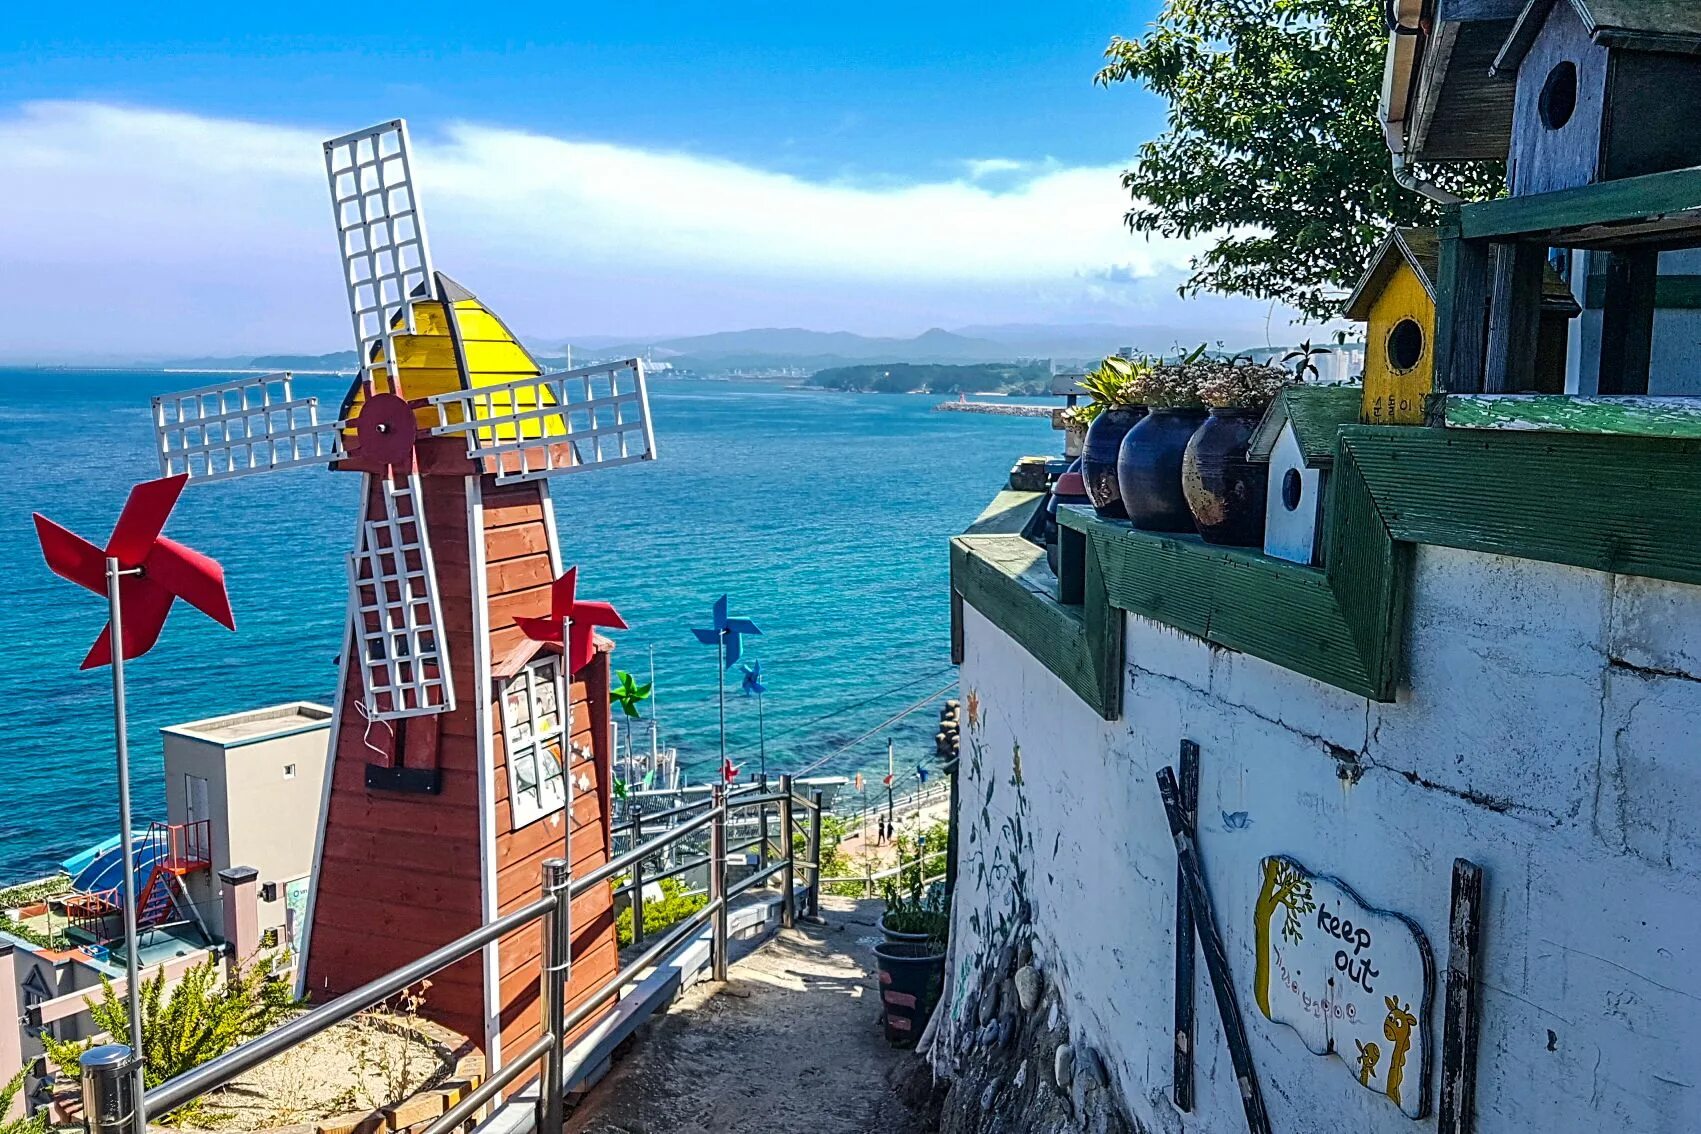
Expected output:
(108, 1072)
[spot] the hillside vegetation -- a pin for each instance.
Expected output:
(937, 378)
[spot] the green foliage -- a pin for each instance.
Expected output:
(677, 903)
(26, 892)
(200, 1019)
(913, 904)
(1272, 148)
(937, 378)
(8, 1096)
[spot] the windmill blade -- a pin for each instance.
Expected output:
(566, 421)
(195, 578)
(247, 425)
(143, 518)
(397, 615)
(381, 236)
(70, 556)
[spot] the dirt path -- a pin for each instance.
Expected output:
(792, 1042)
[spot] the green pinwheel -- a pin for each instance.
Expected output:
(629, 694)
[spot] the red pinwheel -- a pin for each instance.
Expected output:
(579, 617)
(159, 569)
(729, 770)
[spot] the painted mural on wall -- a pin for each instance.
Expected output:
(1353, 981)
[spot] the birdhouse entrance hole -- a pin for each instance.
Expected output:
(1291, 488)
(1558, 100)
(1405, 346)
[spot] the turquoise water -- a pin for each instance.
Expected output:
(824, 516)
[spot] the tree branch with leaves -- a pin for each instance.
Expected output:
(1272, 147)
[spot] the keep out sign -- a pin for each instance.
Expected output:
(1353, 981)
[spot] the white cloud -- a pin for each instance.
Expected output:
(133, 232)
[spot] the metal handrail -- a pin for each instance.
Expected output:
(215, 1073)
(553, 909)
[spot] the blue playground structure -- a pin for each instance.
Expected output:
(164, 855)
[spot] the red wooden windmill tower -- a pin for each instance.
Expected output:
(464, 752)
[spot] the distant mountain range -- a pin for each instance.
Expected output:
(795, 348)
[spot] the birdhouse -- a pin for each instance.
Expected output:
(1603, 89)
(1396, 298)
(1297, 438)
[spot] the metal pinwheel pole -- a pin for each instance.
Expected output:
(127, 848)
(720, 681)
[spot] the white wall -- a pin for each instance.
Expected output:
(1547, 734)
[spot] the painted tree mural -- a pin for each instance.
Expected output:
(1288, 889)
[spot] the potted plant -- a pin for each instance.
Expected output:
(1225, 491)
(1074, 421)
(1112, 413)
(1148, 466)
(911, 960)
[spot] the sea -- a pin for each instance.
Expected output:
(823, 516)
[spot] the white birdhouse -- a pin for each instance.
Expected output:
(1297, 438)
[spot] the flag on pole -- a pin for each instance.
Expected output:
(887, 779)
(859, 781)
(921, 773)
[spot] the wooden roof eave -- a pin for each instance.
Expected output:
(1672, 26)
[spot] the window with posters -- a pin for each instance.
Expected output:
(534, 723)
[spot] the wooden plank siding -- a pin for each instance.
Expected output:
(399, 874)
(518, 573)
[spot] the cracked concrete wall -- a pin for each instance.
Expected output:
(1545, 729)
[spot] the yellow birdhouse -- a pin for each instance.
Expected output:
(1396, 298)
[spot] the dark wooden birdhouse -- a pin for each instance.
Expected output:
(1604, 89)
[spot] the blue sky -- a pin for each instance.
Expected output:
(636, 168)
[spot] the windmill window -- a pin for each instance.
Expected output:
(534, 722)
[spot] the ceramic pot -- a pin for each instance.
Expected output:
(1148, 469)
(1224, 490)
(1074, 439)
(1099, 457)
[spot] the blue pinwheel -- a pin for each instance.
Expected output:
(727, 632)
(727, 635)
(753, 686)
(921, 773)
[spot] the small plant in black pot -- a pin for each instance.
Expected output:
(1111, 414)
(1225, 491)
(1148, 466)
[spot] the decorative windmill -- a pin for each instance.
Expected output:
(457, 735)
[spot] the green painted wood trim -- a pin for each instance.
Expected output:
(1246, 601)
(1630, 505)
(1671, 293)
(995, 575)
(1628, 204)
(1629, 415)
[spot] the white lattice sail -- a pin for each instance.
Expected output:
(249, 425)
(386, 261)
(567, 421)
(396, 612)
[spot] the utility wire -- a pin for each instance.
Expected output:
(923, 703)
(842, 710)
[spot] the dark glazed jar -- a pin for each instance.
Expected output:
(1225, 490)
(1099, 457)
(1148, 469)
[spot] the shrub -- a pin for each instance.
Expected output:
(677, 903)
(9, 1095)
(199, 1020)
